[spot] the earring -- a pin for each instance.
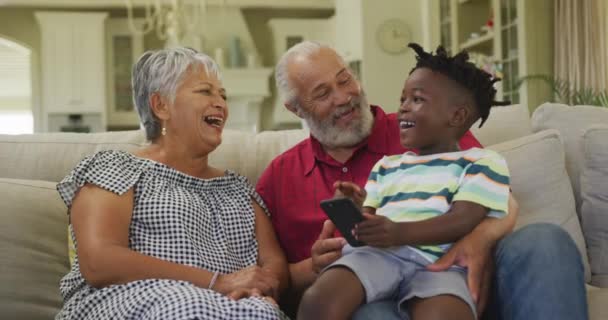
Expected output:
(163, 131)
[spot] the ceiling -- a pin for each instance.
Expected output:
(278, 4)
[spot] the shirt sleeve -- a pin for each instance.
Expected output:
(114, 171)
(468, 141)
(486, 182)
(372, 187)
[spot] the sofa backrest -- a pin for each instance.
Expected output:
(571, 122)
(503, 124)
(50, 156)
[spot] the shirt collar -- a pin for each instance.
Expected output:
(376, 142)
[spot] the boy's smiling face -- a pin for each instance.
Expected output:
(434, 112)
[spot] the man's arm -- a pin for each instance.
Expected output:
(474, 251)
(302, 274)
(493, 230)
(325, 250)
(270, 257)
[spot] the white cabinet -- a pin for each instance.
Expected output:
(246, 89)
(73, 67)
(123, 49)
(519, 43)
(349, 29)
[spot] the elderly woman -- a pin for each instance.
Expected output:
(160, 234)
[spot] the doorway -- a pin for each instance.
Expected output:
(16, 116)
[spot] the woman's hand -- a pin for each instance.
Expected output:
(250, 278)
(346, 189)
(377, 231)
(246, 293)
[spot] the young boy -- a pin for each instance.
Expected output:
(417, 205)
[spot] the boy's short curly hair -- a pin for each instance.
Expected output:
(464, 72)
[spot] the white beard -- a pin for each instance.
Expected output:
(331, 136)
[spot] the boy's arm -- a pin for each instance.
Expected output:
(459, 221)
(450, 227)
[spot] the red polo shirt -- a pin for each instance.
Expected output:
(296, 181)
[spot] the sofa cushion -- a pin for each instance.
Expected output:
(596, 300)
(505, 123)
(269, 144)
(570, 121)
(236, 152)
(540, 184)
(594, 208)
(33, 249)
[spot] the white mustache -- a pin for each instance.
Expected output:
(351, 105)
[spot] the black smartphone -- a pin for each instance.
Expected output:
(343, 212)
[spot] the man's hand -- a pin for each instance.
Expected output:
(377, 231)
(475, 253)
(326, 249)
(346, 189)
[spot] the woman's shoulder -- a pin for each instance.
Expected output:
(218, 172)
(113, 162)
(113, 170)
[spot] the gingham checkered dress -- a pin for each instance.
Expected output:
(205, 223)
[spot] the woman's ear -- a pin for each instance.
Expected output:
(159, 107)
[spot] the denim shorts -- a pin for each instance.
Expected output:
(400, 274)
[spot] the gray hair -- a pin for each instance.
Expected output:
(285, 89)
(162, 71)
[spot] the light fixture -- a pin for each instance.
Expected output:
(172, 20)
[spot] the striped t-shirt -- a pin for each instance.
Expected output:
(410, 187)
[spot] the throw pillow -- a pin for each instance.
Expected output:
(540, 184)
(594, 208)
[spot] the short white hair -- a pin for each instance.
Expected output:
(284, 86)
(162, 71)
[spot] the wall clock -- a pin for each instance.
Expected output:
(393, 35)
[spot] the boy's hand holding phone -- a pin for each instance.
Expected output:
(347, 189)
(377, 231)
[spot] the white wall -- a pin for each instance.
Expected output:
(384, 74)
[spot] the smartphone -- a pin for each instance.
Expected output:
(343, 212)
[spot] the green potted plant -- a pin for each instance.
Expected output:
(564, 92)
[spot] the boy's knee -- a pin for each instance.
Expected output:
(316, 304)
(442, 307)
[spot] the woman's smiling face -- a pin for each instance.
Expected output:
(199, 110)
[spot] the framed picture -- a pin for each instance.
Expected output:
(123, 49)
(287, 32)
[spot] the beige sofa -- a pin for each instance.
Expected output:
(33, 238)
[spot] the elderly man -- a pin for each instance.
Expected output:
(347, 137)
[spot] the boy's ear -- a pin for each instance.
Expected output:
(460, 116)
(159, 107)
